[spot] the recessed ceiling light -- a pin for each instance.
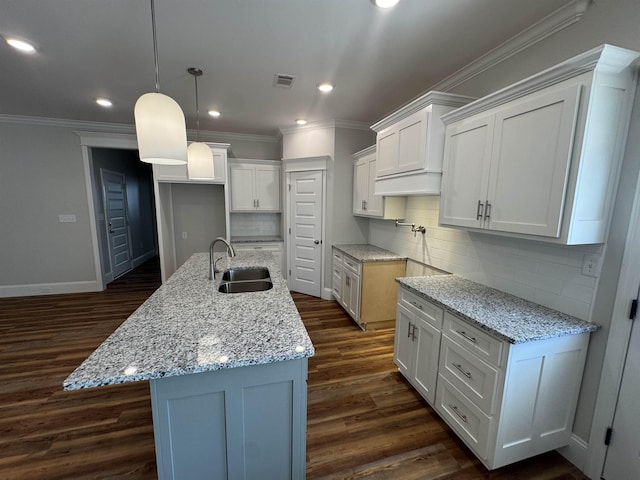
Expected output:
(21, 45)
(104, 102)
(385, 3)
(214, 113)
(325, 87)
(301, 121)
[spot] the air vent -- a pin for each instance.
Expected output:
(283, 80)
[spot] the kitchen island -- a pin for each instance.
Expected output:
(227, 373)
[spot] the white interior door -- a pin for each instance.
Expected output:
(623, 455)
(117, 222)
(305, 242)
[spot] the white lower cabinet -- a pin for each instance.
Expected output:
(506, 401)
(274, 247)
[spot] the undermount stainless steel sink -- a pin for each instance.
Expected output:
(242, 274)
(245, 286)
(245, 279)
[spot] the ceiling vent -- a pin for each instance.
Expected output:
(283, 80)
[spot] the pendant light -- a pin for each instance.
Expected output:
(199, 155)
(160, 125)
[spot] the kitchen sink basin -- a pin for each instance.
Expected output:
(242, 274)
(245, 286)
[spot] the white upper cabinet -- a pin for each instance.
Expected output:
(180, 173)
(541, 159)
(365, 202)
(255, 187)
(410, 144)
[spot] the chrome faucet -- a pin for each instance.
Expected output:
(212, 263)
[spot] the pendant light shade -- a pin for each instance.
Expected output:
(200, 161)
(200, 157)
(161, 130)
(160, 124)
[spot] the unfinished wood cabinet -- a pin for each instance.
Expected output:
(367, 290)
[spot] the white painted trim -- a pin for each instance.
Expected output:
(93, 224)
(617, 344)
(552, 23)
(126, 129)
(49, 288)
(327, 124)
(602, 58)
(327, 295)
(305, 164)
(576, 452)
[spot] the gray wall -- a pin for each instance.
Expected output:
(41, 177)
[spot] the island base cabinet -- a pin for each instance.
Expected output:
(246, 422)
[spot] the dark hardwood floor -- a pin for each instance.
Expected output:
(364, 420)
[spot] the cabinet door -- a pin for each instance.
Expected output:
(530, 163)
(387, 152)
(427, 348)
(403, 345)
(374, 202)
(467, 156)
(242, 188)
(412, 142)
(360, 185)
(351, 294)
(268, 188)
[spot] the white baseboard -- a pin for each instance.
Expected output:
(48, 289)
(576, 452)
(326, 294)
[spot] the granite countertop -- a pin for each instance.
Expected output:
(498, 313)
(256, 239)
(187, 326)
(368, 253)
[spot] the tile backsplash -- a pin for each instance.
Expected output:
(547, 274)
(255, 224)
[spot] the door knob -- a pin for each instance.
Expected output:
(316, 242)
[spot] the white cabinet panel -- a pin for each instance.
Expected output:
(552, 146)
(255, 187)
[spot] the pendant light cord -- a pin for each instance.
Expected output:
(155, 44)
(196, 72)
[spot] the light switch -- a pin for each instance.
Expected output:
(67, 218)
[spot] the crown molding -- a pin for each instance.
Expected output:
(327, 124)
(124, 129)
(552, 23)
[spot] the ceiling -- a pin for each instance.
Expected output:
(377, 59)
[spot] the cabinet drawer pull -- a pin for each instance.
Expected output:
(479, 210)
(487, 211)
(257, 248)
(463, 334)
(466, 373)
(417, 305)
(409, 330)
(462, 416)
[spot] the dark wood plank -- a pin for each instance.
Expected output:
(364, 420)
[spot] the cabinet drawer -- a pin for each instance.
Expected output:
(337, 257)
(482, 344)
(351, 264)
(422, 307)
(336, 286)
(463, 416)
(473, 377)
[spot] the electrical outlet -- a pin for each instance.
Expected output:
(184, 235)
(591, 265)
